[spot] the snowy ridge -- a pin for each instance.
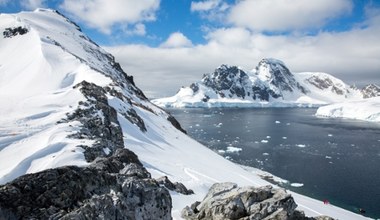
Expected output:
(270, 84)
(61, 95)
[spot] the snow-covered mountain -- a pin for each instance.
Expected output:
(65, 101)
(271, 83)
(370, 91)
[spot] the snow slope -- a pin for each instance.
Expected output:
(367, 109)
(39, 74)
(270, 84)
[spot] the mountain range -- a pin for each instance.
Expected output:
(270, 84)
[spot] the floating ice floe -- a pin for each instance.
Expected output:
(301, 145)
(265, 154)
(330, 135)
(268, 137)
(284, 138)
(231, 149)
(277, 122)
(264, 141)
(221, 151)
(219, 125)
(328, 157)
(297, 184)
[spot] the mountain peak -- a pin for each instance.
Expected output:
(371, 90)
(277, 75)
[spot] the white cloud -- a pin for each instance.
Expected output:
(104, 14)
(204, 5)
(33, 4)
(138, 29)
(284, 15)
(177, 39)
(213, 10)
(353, 56)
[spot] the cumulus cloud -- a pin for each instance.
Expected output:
(285, 15)
(104, 14)
(353, 56)
(33, 4)
(177, 39)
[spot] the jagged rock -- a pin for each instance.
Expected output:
(11, 32)
(370, 91)
(177, 187)
(175, 123)
(228, 80)
(228, 201)
(107, 189)
(99, 122)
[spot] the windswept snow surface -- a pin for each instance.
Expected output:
(367, 109)
(37, 73)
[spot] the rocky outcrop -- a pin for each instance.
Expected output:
(176, 186)
(11, 32)
(117, 187)
(228, 201)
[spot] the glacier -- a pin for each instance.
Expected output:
(367, 110)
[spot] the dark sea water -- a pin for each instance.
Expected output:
(335, 159)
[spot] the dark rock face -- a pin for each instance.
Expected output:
(370, 91)
(11, 32)
(176, 124)
(177, 187)
(228, 201)
(227, 78)
(118, 187)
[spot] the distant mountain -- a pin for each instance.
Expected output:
(370, 91)
(271, 83)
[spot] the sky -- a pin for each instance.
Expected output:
(167, 44)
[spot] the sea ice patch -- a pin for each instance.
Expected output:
(264, 141)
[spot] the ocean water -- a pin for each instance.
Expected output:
(333, 159)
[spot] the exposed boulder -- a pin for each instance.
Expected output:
(118, 187)
(228, 201)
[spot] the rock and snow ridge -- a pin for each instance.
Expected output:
(270, 84)
(67, 107)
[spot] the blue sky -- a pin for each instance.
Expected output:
(176, 41)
